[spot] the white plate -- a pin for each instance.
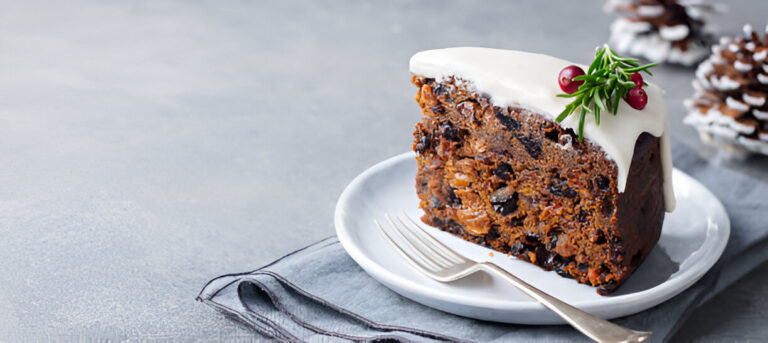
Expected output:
(692, 239)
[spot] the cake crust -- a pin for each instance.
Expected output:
(514, 181)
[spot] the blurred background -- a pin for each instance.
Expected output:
(149, 146)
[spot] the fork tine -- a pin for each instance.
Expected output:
(422, 250)
(423, 246)
(440, 247)
(425, 265)
(593, 327)
(446, 260)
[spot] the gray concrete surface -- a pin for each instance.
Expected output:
(148, 146)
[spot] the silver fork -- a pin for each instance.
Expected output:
(443, 264)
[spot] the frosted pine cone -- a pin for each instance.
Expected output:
(729, 105)
(661, 30)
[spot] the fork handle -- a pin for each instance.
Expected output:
(593, 327)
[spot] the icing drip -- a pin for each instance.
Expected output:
(521, 79)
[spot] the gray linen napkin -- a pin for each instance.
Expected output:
(319, 293)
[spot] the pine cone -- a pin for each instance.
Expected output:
(731, 89)
(661, 30)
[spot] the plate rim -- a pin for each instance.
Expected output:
(671, 287)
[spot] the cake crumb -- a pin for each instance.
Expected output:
(490, 254)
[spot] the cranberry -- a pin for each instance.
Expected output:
(565, 79)
(637, 79)
(637, 98)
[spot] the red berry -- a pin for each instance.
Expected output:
(637, 98)
(637, 79)
(565, 79)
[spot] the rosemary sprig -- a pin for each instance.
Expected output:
(606, 83)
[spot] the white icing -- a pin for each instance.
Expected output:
(762, 115)
(762, 78)
(741, 66)
(763, 136)
(650, 11)
(733, 47)
(736, 105)
(753, 100)
(765, 68)
(674, 33)
(527, 80)
(723, 41)
(750, 46)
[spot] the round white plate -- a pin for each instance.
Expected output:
(692, 239)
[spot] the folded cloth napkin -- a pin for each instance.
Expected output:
(319, 293)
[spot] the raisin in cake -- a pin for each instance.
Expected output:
(495, 168)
